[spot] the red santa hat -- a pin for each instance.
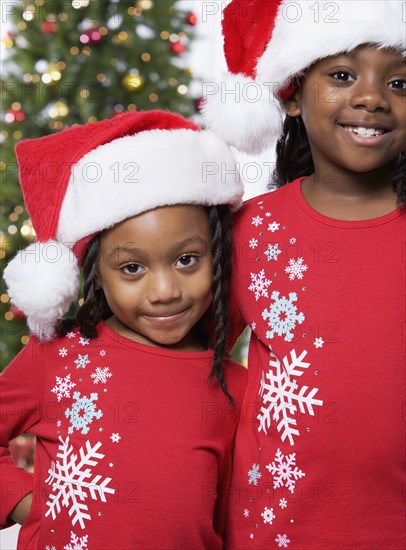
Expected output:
(268, 44)
(88, 178)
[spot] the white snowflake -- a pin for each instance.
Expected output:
(273, 252)
(62, 387)
(283, 503)
(284, 471)
(253, 325)
(253, 243)
(281, 395)
(72, 482)
(254, 474)
(58, 423)
(82, 361)
(282, 316)
(102, 352)
(274, 226)
(268, 515)
(71, 335)
(115, 438)
(63, 352)
(50, 547)
(101, 375)
(84, 341)
(76, 543)
(282, 541)
(292, 240)
(257, 221)
(246, 513)
(83, 412)
(259, 284)
(318, 342)
(296, 268)
(251, 535)
(268, 214)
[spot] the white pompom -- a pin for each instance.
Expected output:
(243, 112)
(43, 280)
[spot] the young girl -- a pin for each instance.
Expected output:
(129, 403)
(319, 276)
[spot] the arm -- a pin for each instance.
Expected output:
(21, 404)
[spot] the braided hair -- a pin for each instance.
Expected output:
(294, 158)
(212, 329)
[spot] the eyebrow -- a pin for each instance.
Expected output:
(134, 250)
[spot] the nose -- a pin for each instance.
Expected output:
(163, 287)
(370, 94)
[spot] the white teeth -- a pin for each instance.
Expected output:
(364, 132)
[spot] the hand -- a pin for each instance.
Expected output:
(21, 511)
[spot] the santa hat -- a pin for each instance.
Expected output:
(269, 43)
(88, 178)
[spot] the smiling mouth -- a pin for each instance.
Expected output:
(365, 132)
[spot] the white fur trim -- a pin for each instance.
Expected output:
(137, 173)
(306, 32)
(243, 112)
(43, 280)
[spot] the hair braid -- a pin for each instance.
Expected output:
(94, 307)
(219, 219)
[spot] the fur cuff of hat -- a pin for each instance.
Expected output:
(243, 112)
(42, 281)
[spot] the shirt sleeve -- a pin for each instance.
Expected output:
(21, 385)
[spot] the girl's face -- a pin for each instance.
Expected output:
(155, 270)
(354, 110)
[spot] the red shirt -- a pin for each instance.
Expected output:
(133, 444)
(320, 449)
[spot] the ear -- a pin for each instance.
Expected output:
(292, 105)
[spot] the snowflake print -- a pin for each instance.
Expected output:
(115, 438)
(268, 515)
(318, 342)
(284, 470)
(73, 482)
(62, 387)
(274, 226)
(273, 252)
(246, 513)
(81, 361)
(83, 412)
(292, 240)
(282, 541)
(71, 335)
(253, 243)
(63, 352)
(259, 284)
(76, 543)
(253, 325)
(257, 221)
(251, 535)
(58, 423)
(282, 316)
(296, 269)
(254, 474)
(50, 547)
(282, 395)
(283, 503)
(84, 341)
(102, 353)
(101, 375)
(268, 214)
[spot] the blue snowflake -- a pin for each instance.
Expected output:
(282, 316)
(254, 474)
(83, 412)
(273, 252)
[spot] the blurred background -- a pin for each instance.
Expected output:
(75, 61)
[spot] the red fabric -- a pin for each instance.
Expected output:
(45, 163)
(343, 474)
(167, 463)
(247, 29)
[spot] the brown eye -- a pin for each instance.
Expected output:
(187, 260)
(131, 269)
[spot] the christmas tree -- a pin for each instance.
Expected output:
(78, 61)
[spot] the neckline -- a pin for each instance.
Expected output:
(348, 224)
(105, 330)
